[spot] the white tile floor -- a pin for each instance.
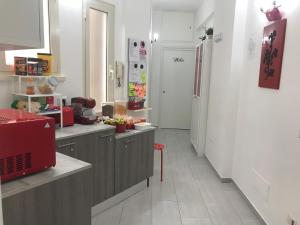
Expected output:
(191, 193)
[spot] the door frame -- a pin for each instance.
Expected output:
(110, 10)
(162, 52)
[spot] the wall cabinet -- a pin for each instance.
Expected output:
(97, 149)
(21, 24)
(133, 160)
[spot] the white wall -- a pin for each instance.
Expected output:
(205, 12)
(5, 90)
(137, 24)
(179, 38)
(134, 22)
(71, 44)
(268, 125)
(220, 133)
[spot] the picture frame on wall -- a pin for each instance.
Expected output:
(272, 54)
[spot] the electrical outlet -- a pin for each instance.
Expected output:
(291, 220)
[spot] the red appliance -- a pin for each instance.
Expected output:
(27, 143)
(68, 117)
(85, 102)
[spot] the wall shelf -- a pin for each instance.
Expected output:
(60, 78)
(141, 110)
(17, 92)
(53, 112)
(37, 95)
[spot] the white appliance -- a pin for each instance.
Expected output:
(201, 95)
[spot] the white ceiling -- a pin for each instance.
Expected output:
(179, 5)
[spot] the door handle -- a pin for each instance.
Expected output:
(164, 92)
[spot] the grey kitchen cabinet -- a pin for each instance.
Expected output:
(133, 160)
(66, 201)
(97, 149)
(22, 25)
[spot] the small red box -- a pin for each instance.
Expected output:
(68, 117)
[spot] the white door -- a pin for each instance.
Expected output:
(178, 67)
(99, 51)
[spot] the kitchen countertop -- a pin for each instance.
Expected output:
(77, 130)
(130, 133)
(65, 166)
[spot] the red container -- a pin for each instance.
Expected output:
(27, 143)
(121, 128)
(135, 105)
(68, 117)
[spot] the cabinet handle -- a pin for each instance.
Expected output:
(66, 145)
(129, 141)
(106, 136)
(72, 149)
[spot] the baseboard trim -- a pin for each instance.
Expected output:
(230, 180)
(98, 209)
(258, 215)
(222, 179)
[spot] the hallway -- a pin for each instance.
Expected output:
(191, 193)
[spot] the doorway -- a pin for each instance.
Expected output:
(177, 88)
(99, 50)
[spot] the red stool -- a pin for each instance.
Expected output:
(160, 147)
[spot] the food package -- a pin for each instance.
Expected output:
(47, 63)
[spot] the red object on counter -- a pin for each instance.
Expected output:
(68, 117)
(85, 102)
(135, 105)
(27, 143)
(120, 128)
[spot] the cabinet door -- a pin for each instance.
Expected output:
(21, 24)
(104, 167)
(97, 149)
(126, 163)
(66, 201)
(145, 156)
(66, 147)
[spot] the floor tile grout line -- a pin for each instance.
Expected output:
(199, 189)
(180, 214)
(120, 220)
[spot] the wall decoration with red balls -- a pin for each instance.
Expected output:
(272, 54)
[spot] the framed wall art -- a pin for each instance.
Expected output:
(272, 54)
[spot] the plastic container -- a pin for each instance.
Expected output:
(30, 86)
(120, 128)
(121, 108)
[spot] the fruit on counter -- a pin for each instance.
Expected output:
(111, 122)
(116, 121)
